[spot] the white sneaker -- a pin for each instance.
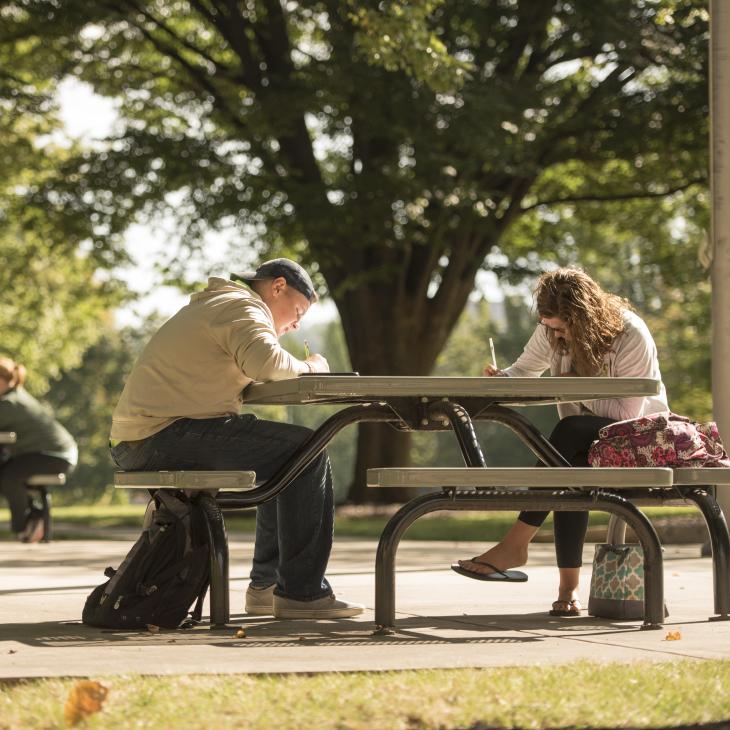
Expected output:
(327, 607)
(259, 601)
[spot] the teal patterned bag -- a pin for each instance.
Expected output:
(617, 582)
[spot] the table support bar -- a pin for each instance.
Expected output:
(464, 430)
(526, 431)
(306, 453)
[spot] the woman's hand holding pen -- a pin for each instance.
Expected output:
(491, 372)
(490, 369)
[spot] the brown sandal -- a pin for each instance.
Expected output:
(566, 608)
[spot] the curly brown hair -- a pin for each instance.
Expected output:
(593, 317)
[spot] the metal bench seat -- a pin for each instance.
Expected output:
(702, 477)
(485, 488)
(39, 484)
(202, 479)
(512, 477)
(46, 480)
(206, 481)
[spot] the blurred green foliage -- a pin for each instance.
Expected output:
(84, 398)
(54, 294)
(396, 149)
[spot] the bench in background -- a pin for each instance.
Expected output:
(39, 485)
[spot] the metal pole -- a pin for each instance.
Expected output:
(720, 184)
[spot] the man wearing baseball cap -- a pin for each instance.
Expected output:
(180, 410)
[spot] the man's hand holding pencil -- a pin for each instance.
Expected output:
(315, 361)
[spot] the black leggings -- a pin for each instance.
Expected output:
(572, 437)
(15, 472)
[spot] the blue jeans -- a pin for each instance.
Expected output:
(293, 531)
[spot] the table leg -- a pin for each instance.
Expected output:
(218, 546)
(47, 519)
(310, 449)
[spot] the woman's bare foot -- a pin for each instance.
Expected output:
(568, 603)
(501, 557)
(511, 552)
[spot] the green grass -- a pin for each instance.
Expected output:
(583, 694)
(438, 526)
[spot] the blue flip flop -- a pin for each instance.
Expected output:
(498, 576)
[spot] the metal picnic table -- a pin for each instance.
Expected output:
(419, 403)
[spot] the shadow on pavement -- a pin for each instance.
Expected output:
(262, 631)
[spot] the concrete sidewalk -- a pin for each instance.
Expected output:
(444, 620)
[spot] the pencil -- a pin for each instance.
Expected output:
(494, 357)
(306, 349)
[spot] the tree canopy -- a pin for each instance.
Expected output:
(393, 146)
(52, 294)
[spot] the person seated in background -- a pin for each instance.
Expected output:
(180, 410)
(582, 331)
(42, 446)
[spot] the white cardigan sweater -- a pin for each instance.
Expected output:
(633, 354)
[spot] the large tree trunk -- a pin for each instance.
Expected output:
(379, 444)
(391, 332)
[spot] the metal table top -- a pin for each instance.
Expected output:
(506, 391)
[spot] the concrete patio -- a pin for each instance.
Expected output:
(443, 620)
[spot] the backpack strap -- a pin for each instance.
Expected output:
(197, 613)
(178, 507)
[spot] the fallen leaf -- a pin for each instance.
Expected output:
(241, 634)
(12, 651)
(153, 629)
(85, 698)
(673, 636)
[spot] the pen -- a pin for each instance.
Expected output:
(494, 357)
(306, 349)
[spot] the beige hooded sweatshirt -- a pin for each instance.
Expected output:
(199, 361)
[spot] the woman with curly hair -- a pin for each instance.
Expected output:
(42, 446)
(583, 331)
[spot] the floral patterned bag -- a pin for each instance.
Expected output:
(660, 439)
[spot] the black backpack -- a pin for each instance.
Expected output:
(167, 569)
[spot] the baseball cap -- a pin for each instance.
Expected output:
(292, 272)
